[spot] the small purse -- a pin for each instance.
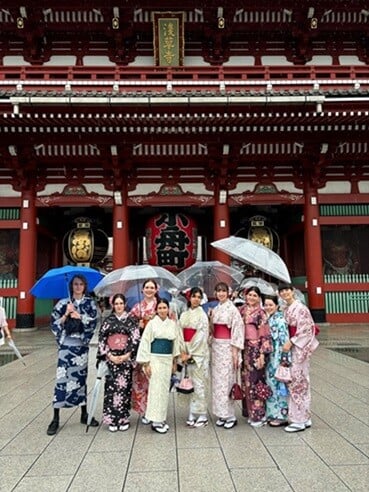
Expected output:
(283, 372)
(185, 385)
(236, 392)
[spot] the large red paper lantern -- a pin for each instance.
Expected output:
(171, 241)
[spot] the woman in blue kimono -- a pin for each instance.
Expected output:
(73, 322)
(276, 405)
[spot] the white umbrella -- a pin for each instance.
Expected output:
(16, 351)
(265, 287)
(122, 279)
(255, 254)
(102, 371)
(206, 274)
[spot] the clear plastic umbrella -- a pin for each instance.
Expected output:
(265, 287)
(255, 254)
(122, 279)
(102, 371)
(206, 274)
(16, 351)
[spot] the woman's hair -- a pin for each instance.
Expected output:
(221, 286)
(285, 285)
(193, 291)
(272, 298)
(150, 280)
(115, 297)
(80, 277)
(255, 289)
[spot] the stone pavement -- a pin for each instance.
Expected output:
(331, 456)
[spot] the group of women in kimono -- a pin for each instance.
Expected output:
(142, 347)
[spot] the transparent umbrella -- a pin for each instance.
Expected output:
(206, 274)
(123, 279)
(265, 287)
(255, 254)
(102, 371)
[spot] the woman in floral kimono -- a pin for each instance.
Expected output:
(276, 405)
(144, 311)
(73, 322)
(118, 342)
(227, 341)
(158, 347)
(302, 344)
(195, 353)
(257, 347)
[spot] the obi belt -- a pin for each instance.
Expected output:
(221, 331)
(162, 346)
(188, 334)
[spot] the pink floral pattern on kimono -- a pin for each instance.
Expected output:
(304, 344)
(145, 311)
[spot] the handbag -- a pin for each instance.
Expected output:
(283, 374)
(236, 392)
(185, 385)
(263, 391)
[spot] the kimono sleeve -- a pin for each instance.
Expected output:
(89, 320)
(56, 324)
(144, 350)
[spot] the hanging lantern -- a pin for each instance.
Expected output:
(84, 245)
(171, 241)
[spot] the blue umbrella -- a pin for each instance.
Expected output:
(54, 284)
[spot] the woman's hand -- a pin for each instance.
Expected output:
(147, 370)
(185, 357)
(260, 362)
(287, 346)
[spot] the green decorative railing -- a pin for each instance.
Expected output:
(347, 302)
(359, 209)
(9, 213)
(355, 278)
(8, 283)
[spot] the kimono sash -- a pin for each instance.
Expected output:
(293, 329)
(221, 331)
(188, 334)
(161, 346)
(117, 341)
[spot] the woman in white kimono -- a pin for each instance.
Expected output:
(227, 342)
(158, 347)
(195, 353)
(302, 344)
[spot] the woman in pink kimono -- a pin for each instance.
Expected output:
(258, 345)
(144, 311)
(302, 344)
(227, 342)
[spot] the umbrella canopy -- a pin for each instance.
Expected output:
(102, 371)
(206, 274)
(54, 284)
(122, 279)
(255, 254)
(265, 287)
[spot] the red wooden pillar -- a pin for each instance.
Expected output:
(27, 260)
(221, 223)
(313, 254)
(120, 229)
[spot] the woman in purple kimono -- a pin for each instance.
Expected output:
(302, 343)
(257, 347)
(118, 343)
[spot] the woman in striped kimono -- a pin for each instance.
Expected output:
(194, 325)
